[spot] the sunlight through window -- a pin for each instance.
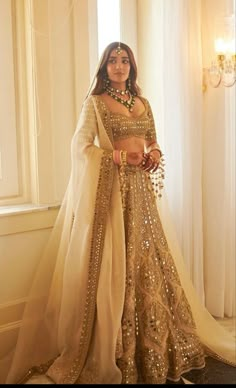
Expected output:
(108, 23)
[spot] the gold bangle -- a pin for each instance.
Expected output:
(123, 157)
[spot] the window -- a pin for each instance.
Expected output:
(44, 73)
(108, 14)
(13, 161)
(9, 174)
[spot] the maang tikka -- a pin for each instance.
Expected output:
(118, 49)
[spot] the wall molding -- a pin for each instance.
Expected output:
(20, 222)
(11, 314)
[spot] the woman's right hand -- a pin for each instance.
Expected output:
(134, 158)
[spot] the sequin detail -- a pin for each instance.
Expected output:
(99, 226)
(119, 126)
(159, 338)
(40, 369)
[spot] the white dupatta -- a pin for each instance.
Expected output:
(73, 316)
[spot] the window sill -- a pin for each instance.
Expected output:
(25, 208)
(26, 218)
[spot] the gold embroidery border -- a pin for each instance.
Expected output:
(103, 198)
(105, 116)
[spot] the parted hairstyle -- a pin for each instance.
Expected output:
(102, 72)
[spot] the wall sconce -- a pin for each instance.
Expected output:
(223, 69)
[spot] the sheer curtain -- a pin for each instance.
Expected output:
(182, 128)
(200, 182)
(219, 201)
(229, 209)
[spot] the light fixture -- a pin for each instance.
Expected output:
(222, 71)
(223, 67)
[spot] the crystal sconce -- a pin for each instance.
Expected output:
(223, 68)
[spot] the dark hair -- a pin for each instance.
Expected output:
(102, 71)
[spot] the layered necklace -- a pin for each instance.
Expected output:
(114, 93)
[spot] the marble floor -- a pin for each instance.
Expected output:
(215, 372)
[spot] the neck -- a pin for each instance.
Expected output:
(118, 85)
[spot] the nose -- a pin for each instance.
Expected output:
(118, 65)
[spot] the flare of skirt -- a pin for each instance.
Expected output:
(157, 339)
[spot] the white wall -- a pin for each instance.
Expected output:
(23, 237)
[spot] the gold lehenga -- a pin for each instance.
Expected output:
(158, 338)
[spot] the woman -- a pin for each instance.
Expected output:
(107, 304)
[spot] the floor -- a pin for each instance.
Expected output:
(215, 372)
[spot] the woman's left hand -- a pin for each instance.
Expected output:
(151, 161)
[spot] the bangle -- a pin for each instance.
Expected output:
(116, 157)
(123, 157)
(156, 149)
(153, 147)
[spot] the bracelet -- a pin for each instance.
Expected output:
(116, 157)
(154, 146)
(123, 158)
(156, 149)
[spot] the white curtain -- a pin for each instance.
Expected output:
(229, 208)
(198, 135)
(182, 128)
(219, 201)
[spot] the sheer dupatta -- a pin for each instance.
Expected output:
(72, 318)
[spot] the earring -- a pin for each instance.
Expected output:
(128, 83)
(106, 82)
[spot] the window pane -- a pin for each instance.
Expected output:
(8, 140)
(108, 23)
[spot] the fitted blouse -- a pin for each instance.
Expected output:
(119, 126)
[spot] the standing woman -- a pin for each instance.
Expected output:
(107, 304)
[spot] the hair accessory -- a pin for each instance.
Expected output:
(118, 49)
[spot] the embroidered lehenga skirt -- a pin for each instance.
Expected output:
(158, 338)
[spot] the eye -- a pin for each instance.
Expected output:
(125, 61)
(111, 61)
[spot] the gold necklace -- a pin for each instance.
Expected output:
(127, 103)
(118, 91)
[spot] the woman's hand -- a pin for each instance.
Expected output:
(147, 161)
(151, 161)
(134, 158)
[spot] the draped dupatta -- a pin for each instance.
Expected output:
(72, 319)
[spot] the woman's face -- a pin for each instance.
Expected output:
(118, 66)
